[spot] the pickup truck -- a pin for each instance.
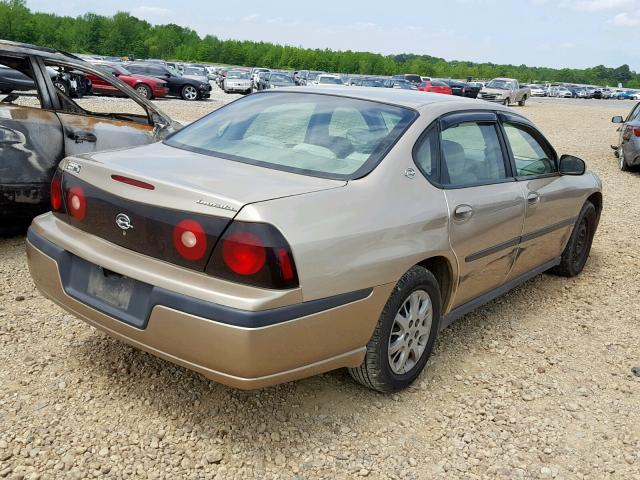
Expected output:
(505, 91)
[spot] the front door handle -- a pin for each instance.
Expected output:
(463, 212)
(533, 198)
(81, 137)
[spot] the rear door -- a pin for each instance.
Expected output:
(486, 205)
(89, 125)
(31, 142)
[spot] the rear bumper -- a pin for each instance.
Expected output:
(240, 348)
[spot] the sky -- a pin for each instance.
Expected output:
(549, 33)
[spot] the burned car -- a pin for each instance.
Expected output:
(41, 124)
(300, 230)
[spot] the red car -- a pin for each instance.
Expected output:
(148, 87)
(435, 86)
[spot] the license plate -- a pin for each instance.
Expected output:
(112, 288)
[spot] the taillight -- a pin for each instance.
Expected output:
(254, 254)
(133, 182)
(244, 253)
(56, 192)
(190, 240)
(76, 203)
(636, 131)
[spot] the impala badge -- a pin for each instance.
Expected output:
(124, 222)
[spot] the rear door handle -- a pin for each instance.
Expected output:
(81, 137)
(463, 212)
(533, 198)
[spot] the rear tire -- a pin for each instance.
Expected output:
(622, 162)
(576, 252)
(506, 102)
(408, 325)
(523, 101)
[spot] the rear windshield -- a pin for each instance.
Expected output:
(312, 134)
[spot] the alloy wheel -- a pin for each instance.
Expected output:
(190, 93)
(410, 332)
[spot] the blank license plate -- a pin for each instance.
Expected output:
(112, 288)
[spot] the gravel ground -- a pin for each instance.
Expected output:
(537, 384)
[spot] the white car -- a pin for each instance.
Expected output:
(538, 91)
(327, 80)
(237, 81)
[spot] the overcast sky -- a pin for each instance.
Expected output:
(555, 33)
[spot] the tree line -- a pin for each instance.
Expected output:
(125, 35)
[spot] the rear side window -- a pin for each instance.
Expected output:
(426, 156)
(471, 154)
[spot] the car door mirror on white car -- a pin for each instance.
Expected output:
(617, 119)
(570, 165)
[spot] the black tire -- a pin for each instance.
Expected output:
(144, 91)
(576, 252)
(506, 102)
(187, 93)
(523, 101)
(375, 372)
(62, 86)
(622, 162)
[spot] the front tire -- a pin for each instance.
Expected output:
(189, 93)
(403, 339)
(576, 252)
(144, 91)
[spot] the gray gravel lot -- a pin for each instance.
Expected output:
(537, 384)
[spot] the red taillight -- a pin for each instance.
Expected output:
(244, 253)
(190, 240)
(133, 181)
(286, 268)
(76, 203)
(256, 254)
(636, 132)
(56, 193)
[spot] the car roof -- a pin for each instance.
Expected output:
(404, 98)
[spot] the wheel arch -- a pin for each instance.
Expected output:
(596, 199)
(442, 268)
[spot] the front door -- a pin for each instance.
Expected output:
(486, 205)
(550, 211)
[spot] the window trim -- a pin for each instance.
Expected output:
(455, 118)
(527, 126)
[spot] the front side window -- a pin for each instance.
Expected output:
(530, 157)
(321, 135)
(471, 154)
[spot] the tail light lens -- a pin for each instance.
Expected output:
(636, 132)
(56, 193)
(190, 240)
(77, 203)
(254, 254)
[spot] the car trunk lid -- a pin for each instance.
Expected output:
(136, 197)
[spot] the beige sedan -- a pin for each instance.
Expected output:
(294, 232)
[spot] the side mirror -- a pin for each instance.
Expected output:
(617, 119)
(570, 165)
